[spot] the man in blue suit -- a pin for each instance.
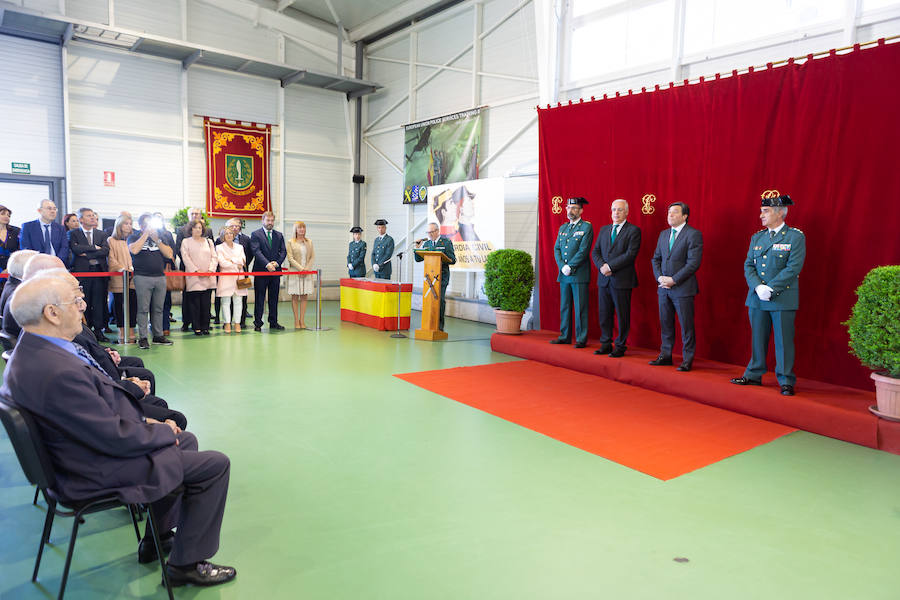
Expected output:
(614, 254)
(45, 234)
(269, 252)
(772, 269)
(679, 251)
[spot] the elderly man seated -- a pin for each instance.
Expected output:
(100, 441)
(15, 267)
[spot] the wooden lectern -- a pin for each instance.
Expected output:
(431, 296)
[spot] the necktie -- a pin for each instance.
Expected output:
(671, 238)
(90, 237)
(269, 237)
(771, 234)
(614, 231)
(46, 239)
(86, 356)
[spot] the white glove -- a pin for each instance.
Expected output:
(376, 268)
(349, 267)
(566, 270)
(764, 292)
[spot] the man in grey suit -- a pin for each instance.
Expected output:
(614, 254)
(99, 440)
(679, 251)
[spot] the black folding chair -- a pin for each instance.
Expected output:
(7, 341)
(35, 463)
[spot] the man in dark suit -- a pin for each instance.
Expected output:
(45, 234)
(89, 252)
(614, 254)
(679, 251)
(268, 250)
(99, 439)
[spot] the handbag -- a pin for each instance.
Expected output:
(244, 282)
(174, 283)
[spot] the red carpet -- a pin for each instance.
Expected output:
(831, 410)
(654, 433)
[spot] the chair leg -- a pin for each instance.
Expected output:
(65, 575)
(45, 536)
(132, 510)
(37, 491)
(154, 530)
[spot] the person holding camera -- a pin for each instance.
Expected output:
(149, 254)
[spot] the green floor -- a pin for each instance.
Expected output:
(348, 483)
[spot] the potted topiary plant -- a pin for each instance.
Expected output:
(508, 281)
(874, 329)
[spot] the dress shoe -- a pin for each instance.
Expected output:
(618, 353)
(206, 332)
(257, 328)
(661, 361)
(685, 366)
(746, 381)
(146, 551)
(143, 344)
(166, 332)
(203, 573)
(276, 327)
(198, 332)
(580, 344)
(787, 390)
(237, 327)
(162, 340)
(559, 341)
(604, 349)
(185, 327)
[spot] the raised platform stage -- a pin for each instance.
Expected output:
(830, 410)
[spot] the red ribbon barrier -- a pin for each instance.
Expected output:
(192, 274)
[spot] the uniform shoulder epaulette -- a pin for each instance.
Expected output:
(798, 229)
(761, 230)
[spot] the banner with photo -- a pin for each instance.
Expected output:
(470, 214)
(237, 168)
(438, 151)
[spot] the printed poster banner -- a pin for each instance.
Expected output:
(237, 168)
(438, 151)
(470, 214)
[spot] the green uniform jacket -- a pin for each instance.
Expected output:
(775, 263)
(573, 248)
(445, 246)
(382, 251)
(357, 257)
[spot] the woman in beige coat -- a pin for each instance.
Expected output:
(120, 260)
(231, 260)
(300, 255)
(199, 255)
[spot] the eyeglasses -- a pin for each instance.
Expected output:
(77, 302)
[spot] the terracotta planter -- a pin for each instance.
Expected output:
(508, 321)
(887, 393)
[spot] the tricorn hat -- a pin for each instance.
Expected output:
(783, 200)
(381, 222)
(577, 200)
(356, 229)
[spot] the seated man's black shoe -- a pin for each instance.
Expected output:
(661, 361)
(617, 353)
(146, 551)
(685, 366)
(787, 390)
(559, 341)
(203, 573)
(745, 381)
(604, 349)
(580, 344)
(276, 327)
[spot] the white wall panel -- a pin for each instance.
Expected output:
(448, 92)
(298, 56)
(31, 112)
(318, 189)
(395, 79)
(215, 93)
(115, 90)
(96, 11)
(148, 174)
(48, 6)
(210, 26)
(511, 49)
(446, 38)
(315, 121)
(160, 17)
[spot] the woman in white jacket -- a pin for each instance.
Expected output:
(231, 260)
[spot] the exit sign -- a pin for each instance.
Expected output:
(21, 168)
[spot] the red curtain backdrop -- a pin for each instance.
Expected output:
(233, 149)
(824, 131)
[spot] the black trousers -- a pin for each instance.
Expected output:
(197, 511)
(684, 308)
(199, 306)
(614, 302)
(95, 297)
(119, 308)
(262, 287)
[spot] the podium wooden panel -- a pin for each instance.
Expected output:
(431, 296)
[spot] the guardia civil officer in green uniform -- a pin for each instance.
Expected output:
(382, 251)
(572, 252)
(773, 264)
(356, 256)
(434, 241)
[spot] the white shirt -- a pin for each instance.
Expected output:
(88, 234)
(777, 229)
